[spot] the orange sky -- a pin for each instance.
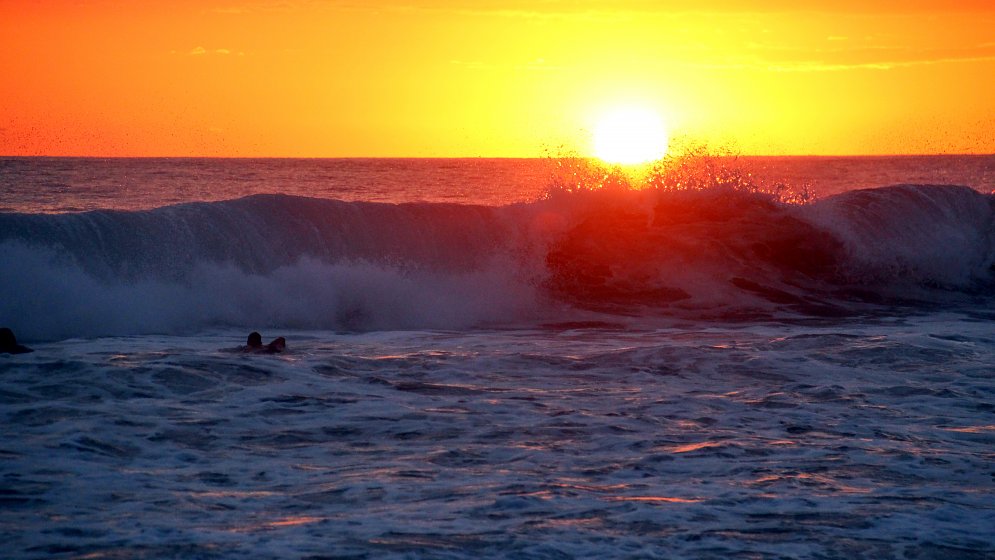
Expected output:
(491, 78)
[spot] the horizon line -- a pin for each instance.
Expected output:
(565, 156)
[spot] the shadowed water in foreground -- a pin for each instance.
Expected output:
(695, 441)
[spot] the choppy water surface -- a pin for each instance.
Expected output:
(869, 440)
(713, 371)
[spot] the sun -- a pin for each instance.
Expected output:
(630, 135)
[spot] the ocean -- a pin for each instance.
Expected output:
(744, 357)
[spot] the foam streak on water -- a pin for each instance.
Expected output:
(691, 442)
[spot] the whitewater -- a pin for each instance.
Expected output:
(481, 365)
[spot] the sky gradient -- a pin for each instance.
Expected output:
(512, 78)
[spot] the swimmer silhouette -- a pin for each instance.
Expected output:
(255, 344)
(9, 345)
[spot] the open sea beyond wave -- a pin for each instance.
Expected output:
(477, 370)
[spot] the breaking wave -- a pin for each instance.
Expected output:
(287, 261)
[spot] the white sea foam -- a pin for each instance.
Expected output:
(57, 299)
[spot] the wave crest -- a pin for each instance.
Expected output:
(283, 261)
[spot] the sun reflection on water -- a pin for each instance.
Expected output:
(660, 499)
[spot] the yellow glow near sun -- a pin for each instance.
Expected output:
(630, 135)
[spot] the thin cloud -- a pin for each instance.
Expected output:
(545, 9)
(856, 57)
(818, 66)
(201, 51)
(884, 65)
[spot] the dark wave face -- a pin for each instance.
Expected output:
(312, 263)
(728, 252)
(259, 234)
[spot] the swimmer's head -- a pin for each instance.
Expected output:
(255, 340)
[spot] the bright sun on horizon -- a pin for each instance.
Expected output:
(630, 135)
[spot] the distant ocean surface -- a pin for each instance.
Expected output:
(489, 358)
(46, 185)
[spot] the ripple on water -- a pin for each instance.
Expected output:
(762, 443)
